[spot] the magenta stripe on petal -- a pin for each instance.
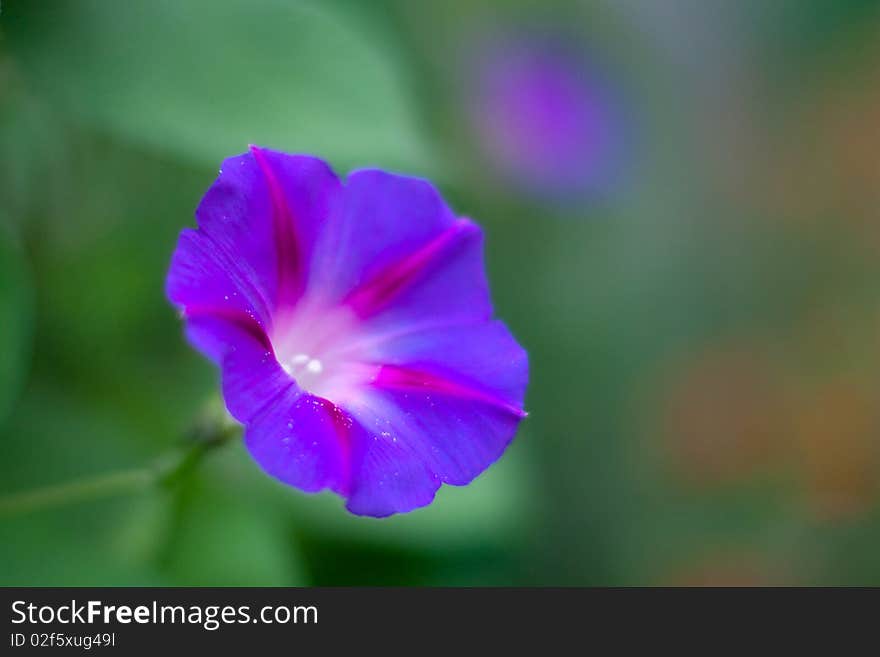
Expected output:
(239, 320)
(372, 296)
(290, 275)
(406, 378)
(341, 423)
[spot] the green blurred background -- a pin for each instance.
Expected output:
(704, 337)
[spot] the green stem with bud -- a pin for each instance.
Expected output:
(210, 432)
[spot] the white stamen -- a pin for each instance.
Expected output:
(309, 345)
(295, 364)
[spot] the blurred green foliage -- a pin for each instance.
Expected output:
(15, 321)
(309, 78)
(646, 457)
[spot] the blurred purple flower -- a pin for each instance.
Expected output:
(353, 327)
(545, 121)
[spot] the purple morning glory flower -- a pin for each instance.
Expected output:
(353, 327)
(545, 120)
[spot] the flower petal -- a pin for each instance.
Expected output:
(382, 218)
(206, 279)
(294, 436)
(394, 250)
(256, 225)
(443, 411)
(407, 442)
(484, 357)
(387, 475)
(302, 440)
(444, 280)
(302, 192)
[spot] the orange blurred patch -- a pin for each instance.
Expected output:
(838, 440)
(725, 415)
(824, 164)
(727, 568)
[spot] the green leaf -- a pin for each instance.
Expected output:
(224, 539)
(202, 79)
(71, 547)
(15, 322)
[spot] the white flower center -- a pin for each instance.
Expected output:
(313, 344)
(304, 369)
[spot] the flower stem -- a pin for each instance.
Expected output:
(76, 491)
(166, 470)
